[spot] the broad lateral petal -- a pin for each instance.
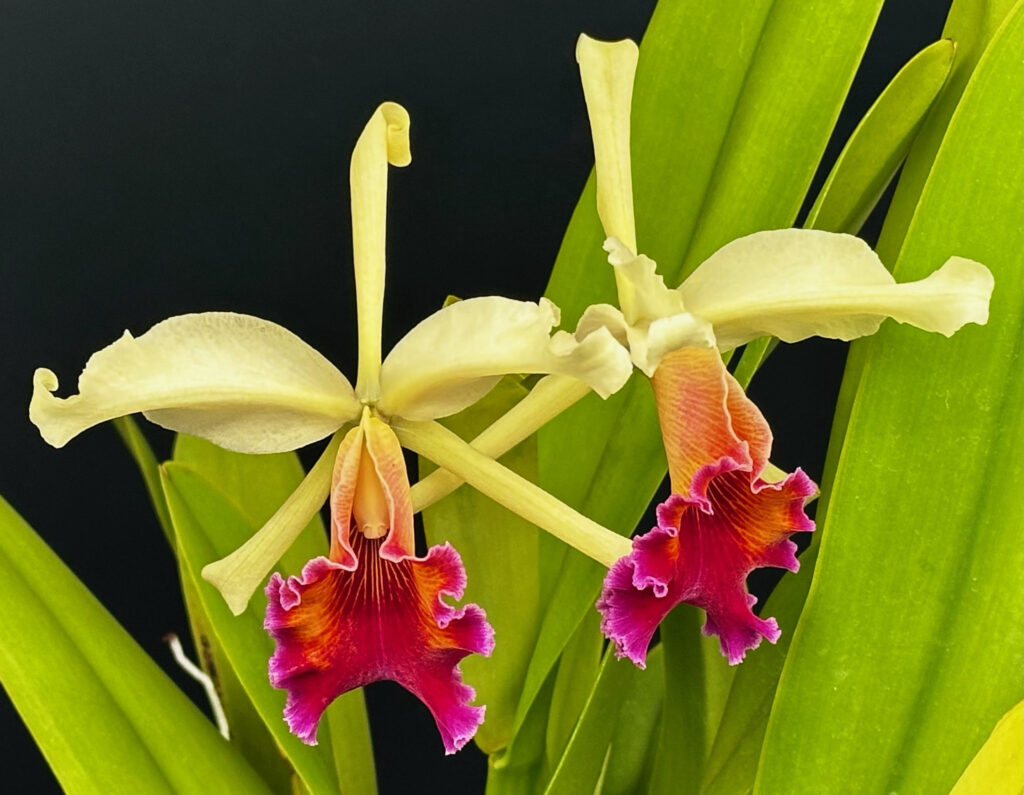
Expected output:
(337, 630)
(243, 383)
(798, 283)
(453, 358)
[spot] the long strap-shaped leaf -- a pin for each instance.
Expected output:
(723, 92)
(908, 648)
(736, 750)
(105, 716)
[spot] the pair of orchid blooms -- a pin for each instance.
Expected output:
(371, 609)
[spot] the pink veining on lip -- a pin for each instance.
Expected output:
(372, 610)
(720, 523)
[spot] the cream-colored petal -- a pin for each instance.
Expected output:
(798, 283)
(384, 140)
(606, 71)
(238, 575)
(243, 383)
(667, 334)
(648, 341)
(451, 359)
(650, 298)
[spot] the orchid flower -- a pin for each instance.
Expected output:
(724, 518)
(371, 609)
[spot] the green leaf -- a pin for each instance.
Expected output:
(882, 689)
(105, 716)
(209, 525)
(576, 674)
(504, 557)
(998, 766)
(697, 680)
(248, 732)
(146, 462)
(519, 768)
(580, 767)
(734, 758)
(634, 738)
(762, 84)
(970, 25)
(881, 141)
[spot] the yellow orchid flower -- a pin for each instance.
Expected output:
(726, 516)
(250, 385)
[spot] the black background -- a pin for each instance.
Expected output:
(160, 158)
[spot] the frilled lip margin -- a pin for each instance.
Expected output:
(701, 553)
(337, 630)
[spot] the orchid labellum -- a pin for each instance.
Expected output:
(371, 609)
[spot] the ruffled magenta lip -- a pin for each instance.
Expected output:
(696, 556)
(337, 630)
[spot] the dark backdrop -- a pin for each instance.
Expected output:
(159, 158)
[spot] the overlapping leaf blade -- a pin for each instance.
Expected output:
(735, 754)
(105, 716)
(732, 109)
(921, 541)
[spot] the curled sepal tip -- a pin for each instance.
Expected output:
(384, 140)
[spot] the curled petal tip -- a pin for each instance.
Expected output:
(43, 406)
(243, 383)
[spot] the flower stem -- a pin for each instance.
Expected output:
(505, 487)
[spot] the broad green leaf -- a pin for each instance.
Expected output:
(732, 109)
(634, 738)
(697, 680)
(580, 767)
(970, 25)
(256, 486)
(518, 769)
(503, 555)
(884, 689)
(104, 715)
(208, 525)
(998, 768)
(248, 732)
(881, 141)
(735, 755)
(576, 674)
